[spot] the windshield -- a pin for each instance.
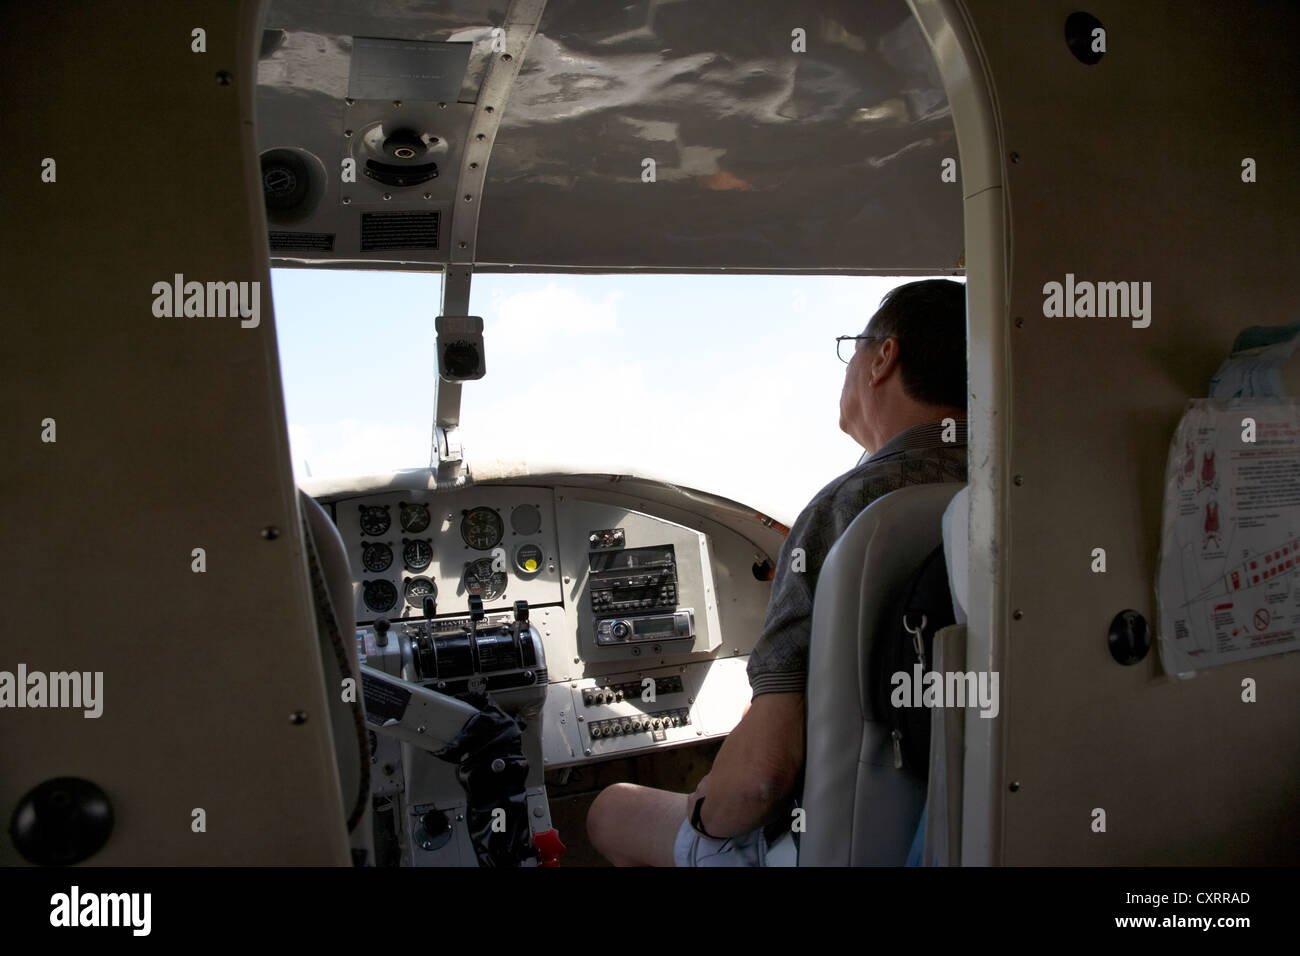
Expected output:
(725, 383)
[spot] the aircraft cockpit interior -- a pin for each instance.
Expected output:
(416, 432)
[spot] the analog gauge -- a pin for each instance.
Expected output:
(483, 581)
(415, 518)
(528, 558)
(417, 589)
(417, 553)
(482, 529)
(374, 520)
(526, 519)
(376, 557)
(380, 596)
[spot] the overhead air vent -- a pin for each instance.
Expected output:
(301, 241)
(399, 230)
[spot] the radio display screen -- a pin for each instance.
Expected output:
(631, 560)
(652, 626)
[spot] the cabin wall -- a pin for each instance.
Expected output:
(1128, 170)
(169, 436)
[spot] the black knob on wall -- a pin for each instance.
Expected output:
(1129, 637)
(61, 822)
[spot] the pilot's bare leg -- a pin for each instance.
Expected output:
(631, 825)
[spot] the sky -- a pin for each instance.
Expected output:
(725, 383)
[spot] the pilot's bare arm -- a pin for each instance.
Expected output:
(757, 769)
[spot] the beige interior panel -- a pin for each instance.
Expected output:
(170, 436)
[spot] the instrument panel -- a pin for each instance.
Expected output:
(497, 542)
(646, 610)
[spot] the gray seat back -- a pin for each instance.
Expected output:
(859, 809)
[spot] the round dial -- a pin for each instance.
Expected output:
(415, 518)
(482, 529)
(380, 596)
(375, 520)
(376, 557)
(416, 554)
(417, 589)
(482, 580)
(529, 558)
(526, 519)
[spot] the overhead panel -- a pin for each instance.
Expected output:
(780, 136)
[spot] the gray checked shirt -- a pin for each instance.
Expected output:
(919, 455)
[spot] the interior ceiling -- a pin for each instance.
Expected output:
(765, 158)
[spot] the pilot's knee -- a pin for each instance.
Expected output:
(604, 816)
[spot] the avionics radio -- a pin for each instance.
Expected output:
(634, 595)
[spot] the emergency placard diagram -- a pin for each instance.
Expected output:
(1229, 587)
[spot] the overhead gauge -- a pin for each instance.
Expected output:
(482, 529)
(417, 589)
(529, 558)
(414, 518)
(375, 520)
(526, 519)
(376, 557)
(416, 553)
(380, 596)
(480, 579)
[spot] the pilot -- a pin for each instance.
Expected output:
(906, 375)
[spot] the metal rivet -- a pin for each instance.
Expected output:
(1015, 157)
(1017, 614)
(498, 765)
(538, 812)
(587, 753)
(581, 718)
(1015, 785)
(298, 718)
(577, 660)
(270, 533)
(1019, 479)
(420, 729)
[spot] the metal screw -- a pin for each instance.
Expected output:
(346, 200)
(1015, 785)
(387, 196)
(507, 57)
(577, 660)
(270, 533)
(489, 109)
(1017, 614)
(428, 195)
(397, 102)
(224, 78)
(1020, 323)
(462, 243)
(442, 106)
(480, 137)
(498, 765)
(298, 718)
(468, 197)
(348, 100)
(580, 719)
(347, 133)
(389, 770)
(690, 700)
(539, 812)
(475, 166)
(587, 753)
(1019, 479)
(1015, 157)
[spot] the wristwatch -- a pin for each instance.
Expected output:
(696, 824)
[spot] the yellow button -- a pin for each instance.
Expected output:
(530, 565)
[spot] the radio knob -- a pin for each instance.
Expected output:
(621, 630)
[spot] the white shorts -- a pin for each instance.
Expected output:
(692, 849)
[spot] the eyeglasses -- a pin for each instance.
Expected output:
(846, 354)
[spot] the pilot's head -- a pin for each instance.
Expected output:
(912, 367)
